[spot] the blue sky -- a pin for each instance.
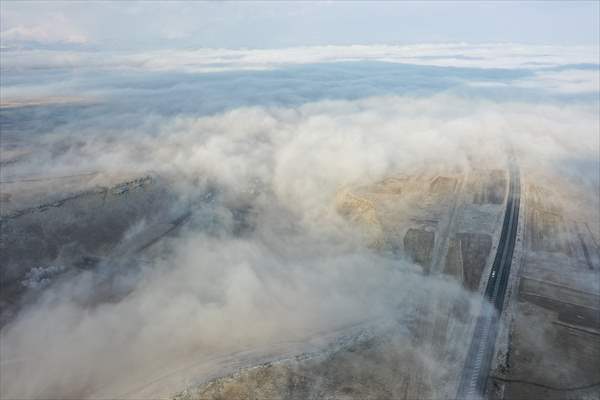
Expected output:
(146, 25)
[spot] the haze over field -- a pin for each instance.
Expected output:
(250, 141)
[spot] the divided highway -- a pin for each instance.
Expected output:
(479, 358)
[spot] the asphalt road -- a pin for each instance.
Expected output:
(479, 358)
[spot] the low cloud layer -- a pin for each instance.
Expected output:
(215, 60)
(301, 269)
(340, 141)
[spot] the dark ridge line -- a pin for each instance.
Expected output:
(50, 178)
(176, 224)
(58, 203)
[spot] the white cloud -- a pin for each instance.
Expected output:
(208, 60)
(567, 81)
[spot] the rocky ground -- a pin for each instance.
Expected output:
(48, 233)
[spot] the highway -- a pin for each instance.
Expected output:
(476, 369)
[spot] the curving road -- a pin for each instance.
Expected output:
(479, 358)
